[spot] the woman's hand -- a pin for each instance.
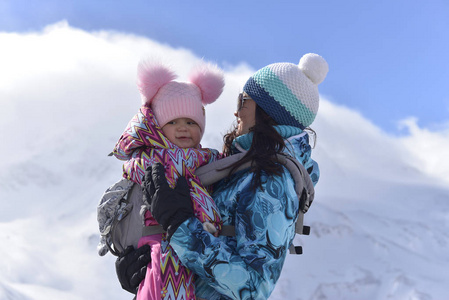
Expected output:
(131, 267)
(170, 207)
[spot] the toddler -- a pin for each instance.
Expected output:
(168, 129)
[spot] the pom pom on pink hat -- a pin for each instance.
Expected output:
(171, 99)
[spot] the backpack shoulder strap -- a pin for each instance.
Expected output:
(304, 188)
(303, 184)
(305, 192)
(217, 170)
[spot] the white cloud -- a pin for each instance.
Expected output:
(64, 77)
(429, 148)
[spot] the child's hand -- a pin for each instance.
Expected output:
(131, 267)
(170, 207)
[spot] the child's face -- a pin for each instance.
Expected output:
(183, 132)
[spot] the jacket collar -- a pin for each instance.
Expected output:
(285, 131)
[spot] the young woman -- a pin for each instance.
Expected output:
(279, 102)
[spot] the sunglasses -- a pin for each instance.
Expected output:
(241, 100)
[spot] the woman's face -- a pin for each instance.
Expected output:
(246, 114)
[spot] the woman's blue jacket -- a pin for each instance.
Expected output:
(247, 265)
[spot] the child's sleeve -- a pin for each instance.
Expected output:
(142, 132)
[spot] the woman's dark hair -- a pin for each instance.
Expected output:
(265, 144)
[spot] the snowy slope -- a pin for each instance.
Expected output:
(379, 226)
(380, 223)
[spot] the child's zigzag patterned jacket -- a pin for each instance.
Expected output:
(142, 144)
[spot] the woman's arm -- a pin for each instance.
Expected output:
(247, 266)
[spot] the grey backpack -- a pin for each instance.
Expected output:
(121, 208)
(119, 217)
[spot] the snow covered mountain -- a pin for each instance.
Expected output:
(380, 220)
(379, 226)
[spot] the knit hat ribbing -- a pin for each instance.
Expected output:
(178, 100)
(288, 92)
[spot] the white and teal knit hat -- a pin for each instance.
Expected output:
(288, 92)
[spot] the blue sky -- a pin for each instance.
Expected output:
(388, 60)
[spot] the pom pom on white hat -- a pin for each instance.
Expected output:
(314, 66)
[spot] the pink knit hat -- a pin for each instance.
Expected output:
(171, 99)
